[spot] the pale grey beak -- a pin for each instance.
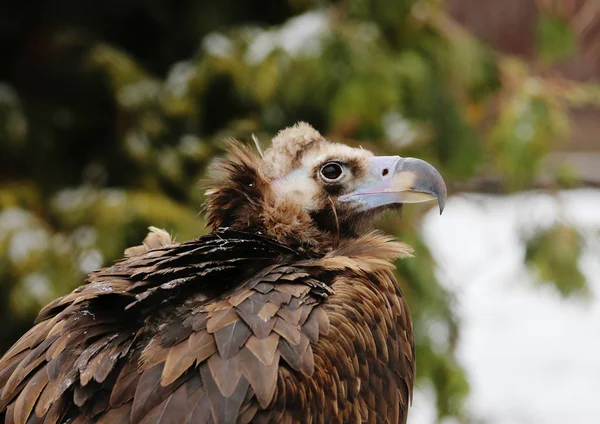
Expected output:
(399, 180)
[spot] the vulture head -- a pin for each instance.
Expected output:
(308, 192)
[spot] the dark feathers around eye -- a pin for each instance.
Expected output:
(235, 188)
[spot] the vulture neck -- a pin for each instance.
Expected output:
(291, 226)
(239, 196)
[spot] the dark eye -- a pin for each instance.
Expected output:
(331, 171)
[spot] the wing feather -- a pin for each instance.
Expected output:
(179, 360)
(126, 383)
(261, 376)
(231, 338)
(224, 409)
(118, 415)
(29, 396)
(226, 373)
(150, 392)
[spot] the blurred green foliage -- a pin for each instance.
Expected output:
(555, 38)
(110, 114)
(554, 254)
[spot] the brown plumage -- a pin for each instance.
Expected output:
(287, 311)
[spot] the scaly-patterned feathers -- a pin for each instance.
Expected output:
(232, 327)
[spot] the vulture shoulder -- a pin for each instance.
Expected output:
(232, 327)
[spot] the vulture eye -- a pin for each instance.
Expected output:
(332, 172)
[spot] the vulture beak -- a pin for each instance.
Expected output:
(398, 180)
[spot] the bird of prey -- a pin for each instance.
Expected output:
(286, 312)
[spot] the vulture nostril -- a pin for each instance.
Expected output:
(385, 172)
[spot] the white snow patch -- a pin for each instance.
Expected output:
(531, 356)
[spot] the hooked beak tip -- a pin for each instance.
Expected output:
(426, 180)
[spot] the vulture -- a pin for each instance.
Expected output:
(286, 311)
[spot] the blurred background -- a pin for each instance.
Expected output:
(110, 112)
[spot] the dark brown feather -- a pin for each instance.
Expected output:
(231, 339)
(261, 376)
(264, 349)
(226, 373)
(118, 415)
(201, 413)
(29, 396)
(126, 384)
(149, 392)
(179, 360)
(224, 409)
